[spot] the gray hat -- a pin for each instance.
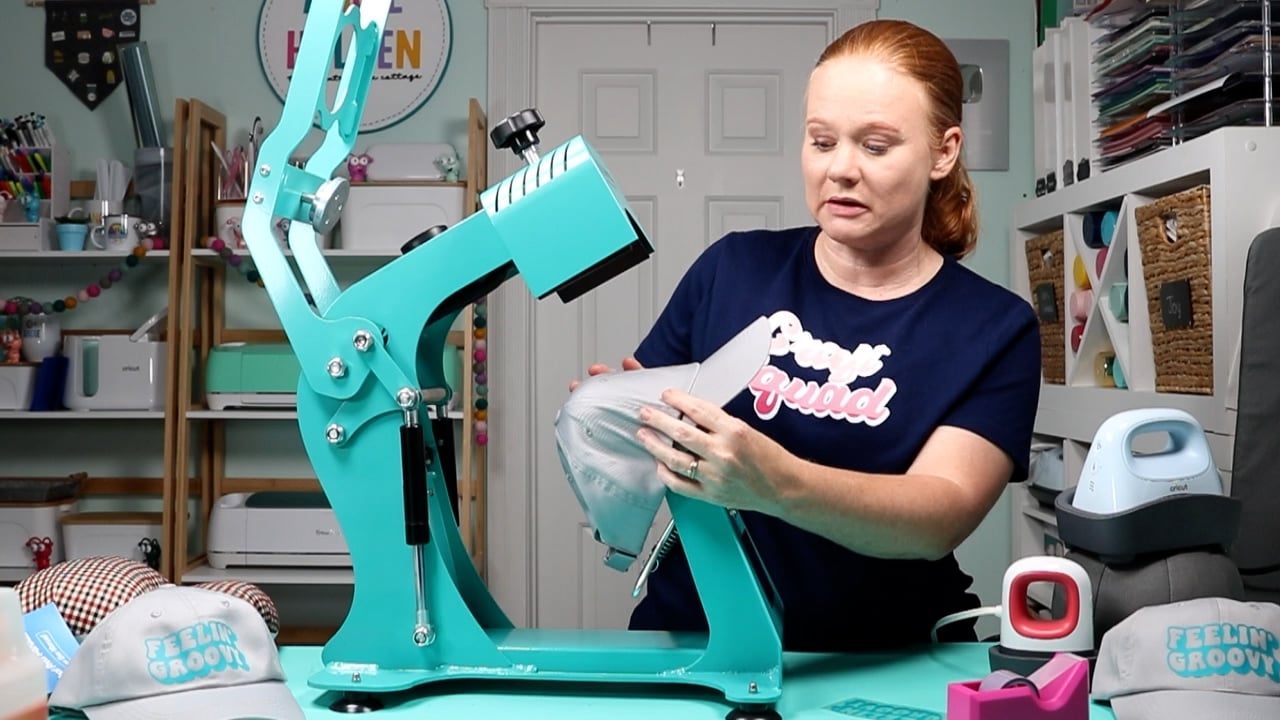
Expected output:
(178, 652)
(1204, 658)
(613, 476)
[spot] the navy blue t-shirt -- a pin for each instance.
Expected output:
(855, 384)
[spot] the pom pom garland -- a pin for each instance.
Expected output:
(14, 308)
(479, 357)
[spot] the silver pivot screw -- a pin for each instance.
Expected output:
(362, 340)
(337, 368)
(406, 398)
(422, 635)
(335, 433)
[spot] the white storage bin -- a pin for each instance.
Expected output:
(117, 534)
(384, 216)
(24, 237)
(17, 385)
(19, 522)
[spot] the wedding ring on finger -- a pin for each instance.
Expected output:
(692, 473)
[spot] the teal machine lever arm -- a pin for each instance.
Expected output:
(371, 359)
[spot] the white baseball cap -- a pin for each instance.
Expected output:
(1205, 658)
(178, 652)
(613, 476)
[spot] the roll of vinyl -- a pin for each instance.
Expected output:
(139, 82)
(1092, 227)
(1006, 679)
(1099, 262)
(1079, 273)
(1117, 375)
(1119, 301)
(1081, 304)
(1107, 226)
(1077, 333)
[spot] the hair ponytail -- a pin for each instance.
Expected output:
(951, 214)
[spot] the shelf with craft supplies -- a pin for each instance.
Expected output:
(200, 572)
(88, 257)
(1137, 276)
(90, 415)
(1157, 203)
(35, 189)
(1130, 79)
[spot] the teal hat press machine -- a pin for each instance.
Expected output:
(371, 368)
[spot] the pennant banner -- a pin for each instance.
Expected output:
(80, 44)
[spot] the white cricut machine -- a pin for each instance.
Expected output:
(275, 528)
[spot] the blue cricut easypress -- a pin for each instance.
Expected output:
(370, 359)
(1149, 525)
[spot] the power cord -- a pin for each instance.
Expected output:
(996, 610)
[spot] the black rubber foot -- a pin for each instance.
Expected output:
(759, 712)
(352, 703)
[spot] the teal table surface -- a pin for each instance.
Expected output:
(815, 687)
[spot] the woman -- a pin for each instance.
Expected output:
(901, 389)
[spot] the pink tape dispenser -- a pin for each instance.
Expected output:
(1058, 690)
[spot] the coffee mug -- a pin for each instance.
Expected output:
(117, 232)
(226, 216)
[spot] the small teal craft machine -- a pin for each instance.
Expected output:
(371, 367)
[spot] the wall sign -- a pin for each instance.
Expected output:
(415, 51)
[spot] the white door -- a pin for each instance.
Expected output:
(700, 123)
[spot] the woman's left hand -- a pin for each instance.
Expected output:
(721, 459)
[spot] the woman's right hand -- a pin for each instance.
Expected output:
(600, 369)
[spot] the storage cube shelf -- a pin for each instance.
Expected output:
(1185, 220)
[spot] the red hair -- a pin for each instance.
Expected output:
(951, 210)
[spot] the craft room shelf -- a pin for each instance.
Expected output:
(61, 443)
(201, 572)
(187, 444)
(87, 256)
(209, 256)
(91, 415)
(1224, 177)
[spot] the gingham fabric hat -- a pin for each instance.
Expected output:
(86, 590)
(180, 653)
(251, 594)
(1191, 660)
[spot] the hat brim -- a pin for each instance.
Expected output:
(258, 701)
(731, 368)
(1195, 705)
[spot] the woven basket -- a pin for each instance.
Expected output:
(1045, 268)
(1174, 237)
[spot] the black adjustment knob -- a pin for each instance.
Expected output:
(519, 132)
(422, 237)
